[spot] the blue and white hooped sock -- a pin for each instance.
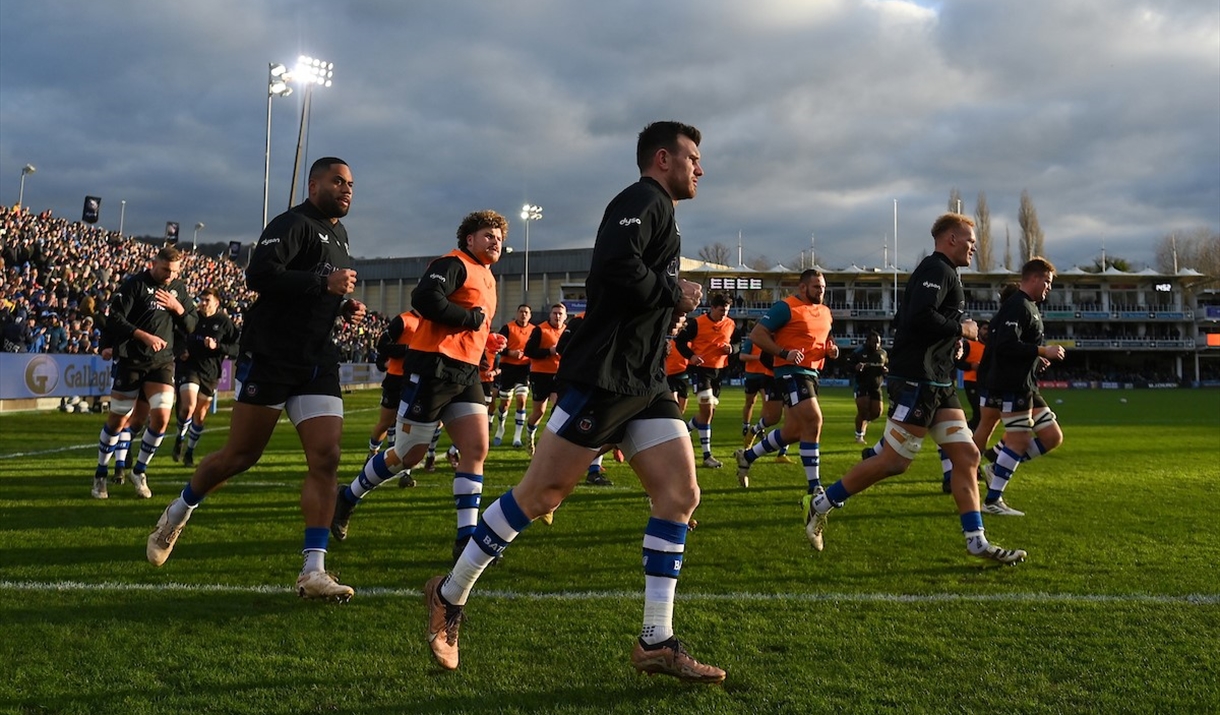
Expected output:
(148, 448)
(374, 473)
(705, 437)
(664, 546)
(811, 459)
(774, 441)
(1006, 464)
(107, 441)
(122, 448)
(467, 495)
(193, 434)
(502, 522)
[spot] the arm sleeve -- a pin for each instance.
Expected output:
(229, 339)
(533, 343)
(387, 343)
(854, 358)
(268, 272)
(566, 336)
(431, 297)
(190, 317)
(683, 338)
(118, 328)
(744, 352)
(777, 317)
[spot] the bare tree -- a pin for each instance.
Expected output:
(955, 201)
(759, 263)
(1007, 248)
(1166, 257)
(982, 229)
(717, 253)
(1198, 249)
(1115, 262)
(1033, 242)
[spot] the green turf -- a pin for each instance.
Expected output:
(1117, 609)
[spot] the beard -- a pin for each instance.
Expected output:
(331, 208)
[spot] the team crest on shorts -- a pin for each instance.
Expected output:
(585, 424)
(251, 389)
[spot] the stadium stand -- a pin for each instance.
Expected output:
(58, 277)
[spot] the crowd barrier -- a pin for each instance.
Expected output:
(36, 375)
(29, 377)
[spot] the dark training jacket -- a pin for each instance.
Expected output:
(928, 323)
(632, 290)
(291, 324)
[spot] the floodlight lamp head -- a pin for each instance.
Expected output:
(199, 226)
(28, 169)
(311, 70)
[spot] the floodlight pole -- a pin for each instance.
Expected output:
(27, 169)
(311, 71)
(296, 164)
(277, 86)
(529, 213)
(895, 297)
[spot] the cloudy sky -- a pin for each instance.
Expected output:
(817, 115)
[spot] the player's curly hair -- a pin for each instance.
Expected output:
(479, 220)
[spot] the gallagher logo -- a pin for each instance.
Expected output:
(42, 375)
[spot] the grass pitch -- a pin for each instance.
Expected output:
(1117, 610)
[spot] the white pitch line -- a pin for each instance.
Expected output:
(1193, 599)
(41, 452)
(93, 445)
(74, 447)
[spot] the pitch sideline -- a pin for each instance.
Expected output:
(93, 445)
(1194, 599)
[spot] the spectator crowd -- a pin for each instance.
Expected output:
(57, 277)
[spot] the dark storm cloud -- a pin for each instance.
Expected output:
(816, 116)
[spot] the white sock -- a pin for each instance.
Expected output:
(314, 561)
(658, 609)
(179, 511)
(976, 542)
